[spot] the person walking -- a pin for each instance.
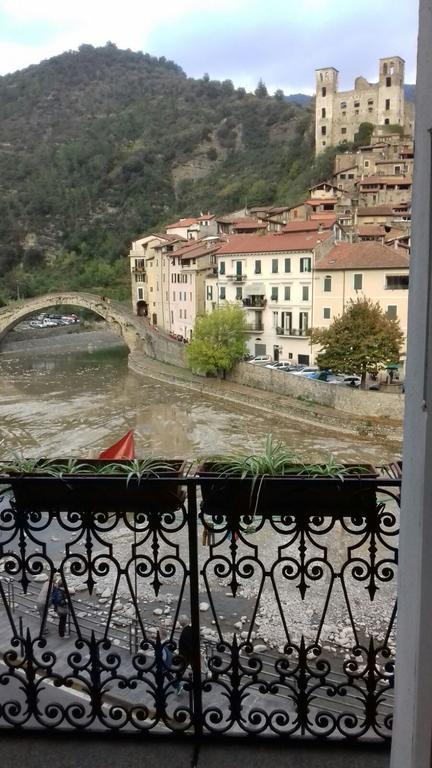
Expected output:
(58, 600)
(41, 604)
(185, 645)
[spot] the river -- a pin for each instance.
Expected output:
(77, 403)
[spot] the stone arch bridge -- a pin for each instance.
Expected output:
(136, 332)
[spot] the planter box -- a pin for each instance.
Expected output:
(293, 493)
(40, 491)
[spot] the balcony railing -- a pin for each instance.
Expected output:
(291, 332)
(252, 327)
(289, 584)
(253, 302)
(236, 278)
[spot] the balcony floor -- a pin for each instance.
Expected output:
(19, 749)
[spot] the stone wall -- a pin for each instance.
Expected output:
(353, 401)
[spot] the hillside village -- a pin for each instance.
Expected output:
(295, 267)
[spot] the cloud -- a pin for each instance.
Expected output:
(282, 41)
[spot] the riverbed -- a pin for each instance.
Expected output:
(57, 400)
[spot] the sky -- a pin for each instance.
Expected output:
(280, 41)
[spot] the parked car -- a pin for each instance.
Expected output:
(261, 360)
(327, 376)
(347, 380)
(279, 364)
(307, 369)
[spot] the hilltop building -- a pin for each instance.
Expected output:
(339, 114)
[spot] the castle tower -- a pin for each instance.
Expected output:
(391, 96)
(326, 90)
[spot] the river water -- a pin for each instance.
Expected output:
(77, 403)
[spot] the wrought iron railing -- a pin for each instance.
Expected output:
(289, 584)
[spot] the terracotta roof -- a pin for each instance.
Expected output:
(371, 230)
(321, 201)
(312, 225)
(325, 217)
(385, 180)
(269, 243)
(378, 210)
(196, 248)
(322, 184)
(248, 224)
(191, 221)
(170, 238)
(366, 255)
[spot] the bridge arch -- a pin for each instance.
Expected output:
(119, 319)
(136, 332)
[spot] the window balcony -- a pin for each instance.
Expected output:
(237, 278)
(254, 302)
(291, 332)
(254, 327)
(133, 557)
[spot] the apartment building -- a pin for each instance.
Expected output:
(271, 277)
(352, 270)
(190, 267)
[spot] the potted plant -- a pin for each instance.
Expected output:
(252, 484)
(133, 485)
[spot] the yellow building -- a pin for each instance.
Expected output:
(353, 270)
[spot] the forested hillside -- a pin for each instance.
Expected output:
(100, 145)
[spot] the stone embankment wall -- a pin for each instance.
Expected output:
(163, 348)
(342, 398)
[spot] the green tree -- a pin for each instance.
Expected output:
(279, 95)
(364, 135)
(218, 341)
(363, 340)
(261, 90)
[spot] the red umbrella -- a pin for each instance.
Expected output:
(122, 449)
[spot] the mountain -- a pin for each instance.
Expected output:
(299, 98)
(100, 145)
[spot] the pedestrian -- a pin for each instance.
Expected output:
(167, 659)
(42, 606)
(59, 601)
(185, 645)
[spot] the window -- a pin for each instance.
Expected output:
(344, 113)
(275, 319)
(386, 121)
(356, 111)
(287, 265)
(239, 294)
(181, 313)
(274, 294)
(274, 265)
(324, 91)
(184, 314)
(305, 264)
(172, 317)
(343, 131)
(358, 282)
(392, 312)
(222, 268)
(356, 104)
(305, 293)
(222, 292)
(343, 105)
(258, 267)
(366, 163)
(326, 313)
(388, 82)
(303, 322)
(327, 283)
(397, 170)
(323, 130)
(287, 293)
(397, 282)
(343, 175)
(323, 112)
(370, 102)
(140, 293)
(209, 292)
(387, 104)
(173, 295)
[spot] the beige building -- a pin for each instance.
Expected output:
(339, 114)
(190, 267)
(271, 276)
(349, 271)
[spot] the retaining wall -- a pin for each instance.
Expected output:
(354, 401)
